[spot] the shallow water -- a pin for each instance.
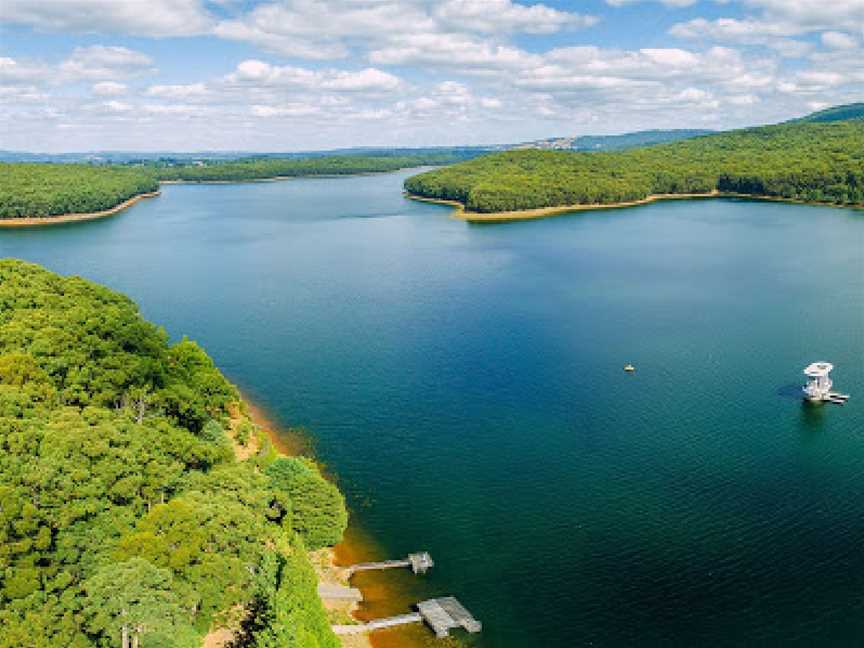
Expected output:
(465, 384)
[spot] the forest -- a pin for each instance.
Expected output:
(48, 189)
(125, 517)
(808, 161)
(34, 189)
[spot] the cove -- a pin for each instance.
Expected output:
(465, 384)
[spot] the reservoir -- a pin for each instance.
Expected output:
(464, 384)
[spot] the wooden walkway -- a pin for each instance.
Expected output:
(333, 592)
(419, 563)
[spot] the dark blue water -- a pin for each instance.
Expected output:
(465, 384)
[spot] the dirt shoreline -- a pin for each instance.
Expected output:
(460, 213)
(29, 221)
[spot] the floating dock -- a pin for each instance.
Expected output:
(419, 563)
(442, 615)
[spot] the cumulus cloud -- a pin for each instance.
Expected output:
(777, 20)
(329, 30)
(188, 91)
(104, 62)
(259, 73)
(139, 17)
(109, 88)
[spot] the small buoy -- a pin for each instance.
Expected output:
(629, 368)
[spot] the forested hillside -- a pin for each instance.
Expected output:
(33, 189)
(124, 516)
(266, 167)
(47, 189)
(804, 161)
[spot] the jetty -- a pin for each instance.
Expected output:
(419, 563)
(441, 614)
(819, 387)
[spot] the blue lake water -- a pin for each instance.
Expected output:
(465, 384)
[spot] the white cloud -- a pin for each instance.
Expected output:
(777, 21)
(497, 16)
(668, 3)
(138, 17)
(109, 88)
(103, 62)
(13, 72)
(329, 30)
(188, 91)
(258, 73)
(451, 50)
(839, 40)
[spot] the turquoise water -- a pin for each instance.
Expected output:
(465, 384)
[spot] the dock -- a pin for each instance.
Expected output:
(419, 562)
(445, 614)
(442, 615)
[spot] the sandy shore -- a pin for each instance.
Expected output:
(460, 213)
(30, 221)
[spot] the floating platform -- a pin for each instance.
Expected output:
(442, 615)
(819, 385)
(445, 614)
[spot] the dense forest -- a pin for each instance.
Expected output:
(45, 189)
(33, 189)
(267, 167)
(821, 162)
(125, 518)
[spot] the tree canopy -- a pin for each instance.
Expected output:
(820, 162)
(124, 515)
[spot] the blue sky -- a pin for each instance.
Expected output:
(284, 75)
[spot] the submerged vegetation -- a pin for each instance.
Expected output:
(46, 189)
(124, 514)
(819, 162)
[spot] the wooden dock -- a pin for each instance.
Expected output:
(445, 614)
(441, 614)
(419, 563)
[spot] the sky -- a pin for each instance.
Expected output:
(291, 75)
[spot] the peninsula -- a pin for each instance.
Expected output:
(815, 160)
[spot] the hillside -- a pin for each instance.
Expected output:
(613, 142)
(820, 162)
(836, 113)
(43, 190)
(123, 510)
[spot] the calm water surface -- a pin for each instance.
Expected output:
(465, 384)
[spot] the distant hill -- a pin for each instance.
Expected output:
(614, 142)
(451, 153)
(835, 113)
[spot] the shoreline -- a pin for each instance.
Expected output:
(356, 545)
(30, 221)
(460, 213)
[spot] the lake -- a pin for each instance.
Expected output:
(465, 385)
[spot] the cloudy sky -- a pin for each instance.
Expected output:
(304, 74)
